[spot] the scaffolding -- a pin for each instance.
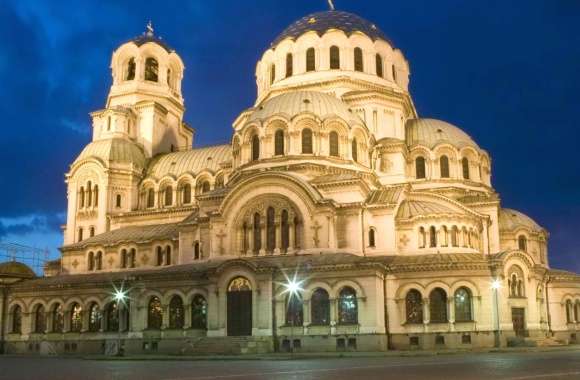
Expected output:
(35, 258)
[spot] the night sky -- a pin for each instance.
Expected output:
(507, 72)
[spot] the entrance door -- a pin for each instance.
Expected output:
(239, 310)
(519, 321)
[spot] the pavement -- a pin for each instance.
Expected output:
(510, 364)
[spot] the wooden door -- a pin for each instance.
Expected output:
(519, 321)
(240, 313)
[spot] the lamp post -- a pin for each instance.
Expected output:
(495, 286)
(120, 296)
(293, 287)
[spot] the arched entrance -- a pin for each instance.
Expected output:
(239, 307)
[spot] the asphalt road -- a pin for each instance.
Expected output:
(500, 366)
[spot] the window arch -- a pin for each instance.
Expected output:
(151, 69)
(91, 261)
(310, 59)
(432, 237)
(176, 314)
(577, 311)
(154, 314)
(358, 59)
(569, 312)
(372, 242)
(354, 150)
(516, 282)
(255, 148)
(465, 167)
(89, 199)
(294, 310)
(196, 251)
(444, 166)
(444, 236)
(168, 196)
(272, 73)
(454, 233)
(463, 312)
(199, 312)
(414, 306)
(285, 233)
(203, 187)
(99, 260)
(39, 320)
(186, 194)
(257, 233)
(422, 237)
(438, 306)
(118, 201)
(394, 73)
(307, 141)
(57, 318)
(130, 69)
(82, 197)
(76, 319)
(16, 326)
(80, 234)
(333, 144)
(320, 307)
(95, 318)
(347, 306)
(379, 65)
(334, 58)
(289, 65)
(150, 198)
(420, 167)
(522, 243)
(279, 142)
(270, 229)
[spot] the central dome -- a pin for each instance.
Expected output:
(321, 22)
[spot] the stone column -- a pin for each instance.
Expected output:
(291, 227)
(187, 315)
(278, 225)
(426, 313)
(263, 235)
(451, 313)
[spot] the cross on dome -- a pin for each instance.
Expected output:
(331, 4)
(150, 29)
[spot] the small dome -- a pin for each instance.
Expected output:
(116, 150)
(321, 22)
(294, 103)
(510, 220)
(430, 132)
(16, 269)
(191, 161)
(413, 208)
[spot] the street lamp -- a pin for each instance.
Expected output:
(495, 286)
(120, 296)
(293, 287)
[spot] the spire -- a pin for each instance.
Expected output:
(149, 29)
(331, 4)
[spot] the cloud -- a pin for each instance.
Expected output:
(31, 224)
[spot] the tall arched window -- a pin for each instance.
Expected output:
(569, 313)
(91, 261)
(112, 317)
(444, 166)
(186, 194)
(438, 306)
(394, 73)
(420, 167)
(333, 144)
(289, 65)
(95, 318)
(334, 57)
(522, 243)
(358, 59)
(294, 310)
(130, 69)
(199, 313)
(96, 196)
(272, 73)
(379, 65)
(99, 260)
(454, 233)
(414, 307)
(372, 242)
(160, 256)
(39, 320)
(76, 319)
(255, 148)
(307, 141)
(257, 233)
(57, 318)
(81, 234)
(91, 231)
(124, 258)
(285, 233)
(354, 150)
(118, 202)
(463, 305)
(320, 307)
(422, 237)
(89, 194)
(167, 255)
(310, 59)
(196, 251)
(270, 229)
(176, 316)
(16, 316)
(432, 237)
(168, 196)
(150, 198)
(154, 314)
(347, 306)
(279, 142)
(465, 166)
(151, 69)
(444, 236)
(82, 197)
(577, 311)
(218, 182)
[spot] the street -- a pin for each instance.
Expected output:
(497, 366)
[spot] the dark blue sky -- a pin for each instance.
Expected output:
(507, 72)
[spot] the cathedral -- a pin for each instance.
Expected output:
(335, 219)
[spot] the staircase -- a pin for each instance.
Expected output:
(230, 345)
(545, 342)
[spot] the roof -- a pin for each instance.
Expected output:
(191, 161)
(321, 22)
(510, 220)
(149, 36)
(294, 103)
(116, 150)
(412, 208)
(16, 269)
(132, 234)
(431, 132)
(386, 195)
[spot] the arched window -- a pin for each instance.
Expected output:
(379, 65)
(310, 59)
(465, 166)
(151, 69)
(255, 148)
(176, 316)
(444, 166)
(257, 233)
(394, 73)
(272, 73)
(76, 319)
(112, 317)
(80, 234)
(124, 258)
(569, 313)
(432, 237)
(91, 261)
(168, 196)
(118, 201)
(414, 307)
(96, 196)
(196, 251)
(57, 318)
(444, 236)
(334, 57)
(219, 182)
(358, 59)
(320, 307)
(199, 313)
(99, 260)
(464, 236)
(463, 305)
(82, 197)
(203, 187)
(438, 306)
(454, 233)
(515, 281)
(285, 233)
(422, 237)
(270, 229)
(347, 306)
(289, 65)
(420, 167)
(150, 198)
(91, 231)
(154, 314)
(159, 256)
(168, 255)
(577, 311)
(307, 141)
(186, 194)
(522, 243)
(333, 144)
(130, 69)
(372, 237)
(279, 142)
(294, 310)
(89, 194)
(297, 232)
(16, 327)
(354, 150)
(39, 320)
(95, 318)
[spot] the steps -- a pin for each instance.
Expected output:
(545, 342)
(230, 345)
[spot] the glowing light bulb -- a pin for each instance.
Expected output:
(496, 284)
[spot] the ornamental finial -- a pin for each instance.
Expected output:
(331, 5)
(149, 31)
